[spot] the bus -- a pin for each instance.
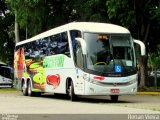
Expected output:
(6, 76)
(79, 58)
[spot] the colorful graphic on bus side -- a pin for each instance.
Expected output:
(35, 68)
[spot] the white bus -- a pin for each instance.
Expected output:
(6, 76)
(79, 58)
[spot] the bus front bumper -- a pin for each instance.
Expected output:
(94, 89)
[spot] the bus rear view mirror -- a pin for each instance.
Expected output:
(142, 46)
(83, 44)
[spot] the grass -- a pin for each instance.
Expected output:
(8, 89)
(149, 89)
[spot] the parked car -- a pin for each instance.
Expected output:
(6, 76)
(153, 73)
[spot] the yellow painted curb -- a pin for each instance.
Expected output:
(148, 93)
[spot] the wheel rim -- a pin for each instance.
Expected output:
(23, 87)
(70, 91)
(29, 89)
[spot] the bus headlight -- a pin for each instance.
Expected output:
(132, 81)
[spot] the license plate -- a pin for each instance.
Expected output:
(115, 90)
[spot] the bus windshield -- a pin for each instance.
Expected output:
(110, 53)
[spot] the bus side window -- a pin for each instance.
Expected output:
(62, 44)
(65, 44)
(74, 34)
(48, 48)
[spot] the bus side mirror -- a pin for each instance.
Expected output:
(83, 44)
(142, 46)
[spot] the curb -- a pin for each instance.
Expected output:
(148, 93)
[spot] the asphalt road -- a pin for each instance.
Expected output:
(14, 103)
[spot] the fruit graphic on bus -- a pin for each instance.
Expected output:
(28, 62)
(39, 81)
(16, 63)
(33, 67)
(42, 86)
(21, 63)
(53, 80)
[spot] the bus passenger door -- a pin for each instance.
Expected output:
(80, 83)
(79, 63)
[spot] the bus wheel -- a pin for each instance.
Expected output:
(29, 88)
(24, 89)
(71, 92)
(114, 98)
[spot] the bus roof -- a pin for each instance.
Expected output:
(2, 63)
(82, 26)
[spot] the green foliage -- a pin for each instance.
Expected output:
(154, 60)
(122, 11)
(40, 15)
(29, 14)
(91, 10)
(137, 15)
(6, 35)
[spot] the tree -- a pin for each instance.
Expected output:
(37, 16)
(22, 12)
(91, 10)
(142, 17)
(2, 7)
(6, 41)
(138, 16)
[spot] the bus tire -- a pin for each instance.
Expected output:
(71, 92)
(29, 89)
(24, 89)
(114, 98)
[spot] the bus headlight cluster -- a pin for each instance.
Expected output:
(132, 81)
(86, 78)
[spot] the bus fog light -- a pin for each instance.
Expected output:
(132, 82)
